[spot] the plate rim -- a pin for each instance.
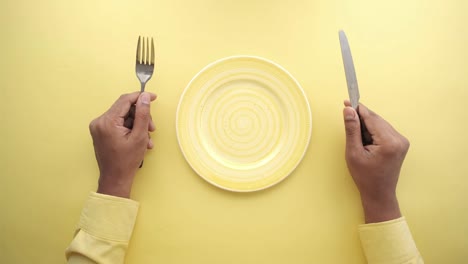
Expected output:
(304, 95)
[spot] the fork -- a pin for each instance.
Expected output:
(144, 69)
(144, 61)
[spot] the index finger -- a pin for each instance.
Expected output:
(378, 127)
(121, 107)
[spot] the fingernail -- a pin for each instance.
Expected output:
(145, 98)
(349, 113)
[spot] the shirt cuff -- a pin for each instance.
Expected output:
(388, 242)
(109, 217)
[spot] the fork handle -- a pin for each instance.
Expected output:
(128, 121)
(142, 87)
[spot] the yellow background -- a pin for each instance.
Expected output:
(62, 63)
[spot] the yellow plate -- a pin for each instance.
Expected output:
(243, 123)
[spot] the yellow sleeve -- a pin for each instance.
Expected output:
(389, 242)
(104, 230)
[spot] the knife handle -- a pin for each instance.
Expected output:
(128, 121)
(365, 135)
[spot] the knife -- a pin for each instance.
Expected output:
(353, 88)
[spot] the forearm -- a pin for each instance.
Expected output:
(104, 230)
(389, 242)
(386, 237)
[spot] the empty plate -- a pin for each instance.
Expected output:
(243, 123)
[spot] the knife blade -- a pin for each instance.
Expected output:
(353, 87)
(350, 72)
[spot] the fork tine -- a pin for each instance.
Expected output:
(147, 51)
(152, 52)
(138, 50)
(143, 54)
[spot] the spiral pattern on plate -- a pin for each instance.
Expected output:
(243, 123)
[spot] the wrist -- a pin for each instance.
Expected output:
(380, 209)
(115, 186)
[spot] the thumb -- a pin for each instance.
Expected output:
(142, 115)
(352, 127)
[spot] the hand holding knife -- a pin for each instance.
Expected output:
(353, 88)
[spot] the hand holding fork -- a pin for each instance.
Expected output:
(144, 69)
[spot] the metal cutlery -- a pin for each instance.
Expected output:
(144, 61)
(144, 69)
(351, 80)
